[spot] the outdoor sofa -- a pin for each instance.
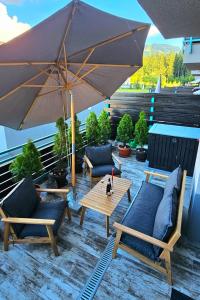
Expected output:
(28, 219)
(152, 225)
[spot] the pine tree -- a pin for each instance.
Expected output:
(104, 127)
(92, 129)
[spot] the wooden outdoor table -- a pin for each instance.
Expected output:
(97, 199)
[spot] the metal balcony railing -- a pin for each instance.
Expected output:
(48, 158)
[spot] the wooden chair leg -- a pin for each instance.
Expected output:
(52, 240)
(168, 267)
(6, 236)
(117, 240)
(68, 211)
(82, 215)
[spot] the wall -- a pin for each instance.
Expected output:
(16, 137)
(193, 223)
(3, 145)
(177, 109)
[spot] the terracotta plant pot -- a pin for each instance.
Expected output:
(141, 154)
(124, 151)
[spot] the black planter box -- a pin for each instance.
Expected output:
(170, 145)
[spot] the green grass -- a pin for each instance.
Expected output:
(126, 90)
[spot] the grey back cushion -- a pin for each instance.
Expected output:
(21, 202)
(100, 155)
(174, 181)
(166, 216)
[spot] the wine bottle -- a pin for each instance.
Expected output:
(108, 188)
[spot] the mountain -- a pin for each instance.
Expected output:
(160, 48)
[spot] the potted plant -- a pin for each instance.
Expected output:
(79, 144)
(141, 134)
(59, 173)
(104, 127)
(26, 164)
(124, 134)
(92, 129)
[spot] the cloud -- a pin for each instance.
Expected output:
(11, 1)
(10, 27)
(153, 31)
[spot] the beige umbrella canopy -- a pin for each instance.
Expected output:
(70, 61)
(174, 18)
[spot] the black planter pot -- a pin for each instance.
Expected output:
(59, 175)
(141, 154)
(79, 164)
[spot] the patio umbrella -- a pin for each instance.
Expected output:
(72, 60)
(174, 18)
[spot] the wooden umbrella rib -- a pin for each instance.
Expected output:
(27, 63)
(45, 72)
(89, 71)
(103, 65)
(53, 91)
(67, 30)
(108, 41)
(30, 108)
(41, 86)
(62, 62)
(21, 85)
(89, 84)
(85, 61)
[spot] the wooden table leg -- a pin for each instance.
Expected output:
(129, 195)
(82, 215)
(107, 226)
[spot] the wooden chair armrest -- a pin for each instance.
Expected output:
(88, 162)
(142, 236)
(63, 191)
(117, 160)
(28, 221)
(148, 174)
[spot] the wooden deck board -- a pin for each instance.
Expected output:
(32, 271)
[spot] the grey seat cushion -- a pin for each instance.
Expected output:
(100, 155)
(46, 210)
(99, 171)
(140, 216)
(21, 202)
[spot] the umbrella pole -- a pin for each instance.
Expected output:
(73, 141)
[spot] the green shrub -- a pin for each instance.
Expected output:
(104, 127)
(125, 129)
(26, 163)
(92, 129)
(60, 142)
(78, 135)
(141, 130)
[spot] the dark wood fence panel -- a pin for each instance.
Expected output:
(178, 109)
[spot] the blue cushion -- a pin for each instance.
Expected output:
(141, 215)
(21, 202)
(99, 171)
(46, 210)
(100, 155)
(174, 181)
(165, 219)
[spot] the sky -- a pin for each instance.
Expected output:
(17, 16)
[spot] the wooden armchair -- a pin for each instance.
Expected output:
(165, 247)
(29, 220)
(100, 161)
